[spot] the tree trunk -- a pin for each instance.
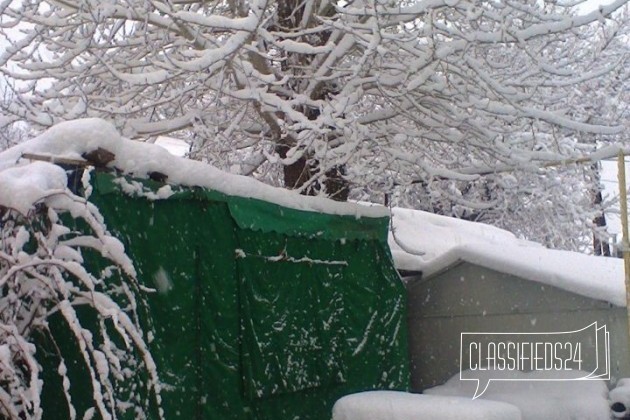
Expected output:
(302, 171)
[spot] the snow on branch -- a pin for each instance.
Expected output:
(47, 240)
(323, 97)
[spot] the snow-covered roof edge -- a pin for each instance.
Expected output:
(72, 139)
(438, 242)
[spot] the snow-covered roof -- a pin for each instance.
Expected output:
(430, 243)
(70, 140)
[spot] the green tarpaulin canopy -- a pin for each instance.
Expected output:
(260, 311)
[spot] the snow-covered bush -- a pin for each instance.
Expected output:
(79, 329)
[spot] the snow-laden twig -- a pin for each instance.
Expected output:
(45, 279)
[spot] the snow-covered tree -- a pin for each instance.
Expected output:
(79, 330)
(10, 133)
(598, 100)
(368, 97)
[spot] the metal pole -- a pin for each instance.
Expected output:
(625, 242)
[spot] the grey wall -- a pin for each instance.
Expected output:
(471, 298)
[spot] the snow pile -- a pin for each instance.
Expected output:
(22, 186)
(392, 405)
(430, 243)
(620, 399)
(536, 395)
(72, 139)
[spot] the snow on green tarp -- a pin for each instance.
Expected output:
(255, 214)
(260, 324)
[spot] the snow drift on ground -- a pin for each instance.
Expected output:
(73, 138)
(535, 395)
(392, 405)
(430, 243)
(620, 398)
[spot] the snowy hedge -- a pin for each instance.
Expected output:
(59, 321)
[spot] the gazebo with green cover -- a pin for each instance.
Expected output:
(260, 311)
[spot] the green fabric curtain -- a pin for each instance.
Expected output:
(261, 312)
(185, 250)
